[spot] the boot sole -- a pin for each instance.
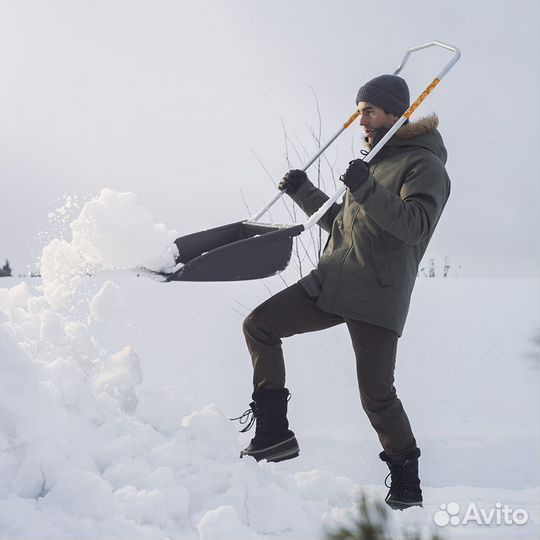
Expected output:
(287, 449)
(398, 505)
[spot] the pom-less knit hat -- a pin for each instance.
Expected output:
(388, 92)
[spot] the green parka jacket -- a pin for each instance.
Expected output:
(379, 233)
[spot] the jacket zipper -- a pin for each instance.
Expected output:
(342, 262)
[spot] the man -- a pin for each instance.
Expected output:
(364, 279)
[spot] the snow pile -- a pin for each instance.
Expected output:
(80, 457)
(84, 453)
(112, 398)
(223, 524)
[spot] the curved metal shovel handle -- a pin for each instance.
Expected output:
(455, 58)
(356, 114)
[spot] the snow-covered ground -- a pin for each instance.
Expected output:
(116, 393)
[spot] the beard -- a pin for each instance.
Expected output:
(378, 134)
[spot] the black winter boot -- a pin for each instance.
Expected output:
(405, 484)
(273, 440)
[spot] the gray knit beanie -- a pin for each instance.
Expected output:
(388, 92)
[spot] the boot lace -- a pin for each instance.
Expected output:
(248, 417)
(399, 478)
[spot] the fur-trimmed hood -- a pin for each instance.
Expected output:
(424, 133)
(419, 127)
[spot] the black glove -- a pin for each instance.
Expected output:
(292, 181)
(356, 174)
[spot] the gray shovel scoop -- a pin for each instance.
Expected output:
(251, 250)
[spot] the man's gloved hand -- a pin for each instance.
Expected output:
(292, 181)
(356, 174)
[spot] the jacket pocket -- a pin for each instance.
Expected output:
(381, 261)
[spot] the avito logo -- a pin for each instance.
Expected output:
(450, 514)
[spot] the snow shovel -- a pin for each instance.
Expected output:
(248, 249)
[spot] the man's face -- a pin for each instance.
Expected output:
(373, 118)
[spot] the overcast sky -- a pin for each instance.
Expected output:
(177, 101)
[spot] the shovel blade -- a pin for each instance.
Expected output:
(235, 252)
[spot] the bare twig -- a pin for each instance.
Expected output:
(287, 142)
(305, 251)
(264, 168)
(243, 315)
(304, 149)
(245, 203)
(242, 305)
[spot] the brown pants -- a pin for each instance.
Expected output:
(292, 311)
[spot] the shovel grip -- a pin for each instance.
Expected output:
(407, 114)
(352, 118)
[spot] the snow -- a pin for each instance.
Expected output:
(108, 226)
(223, 523)
(116, 393)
